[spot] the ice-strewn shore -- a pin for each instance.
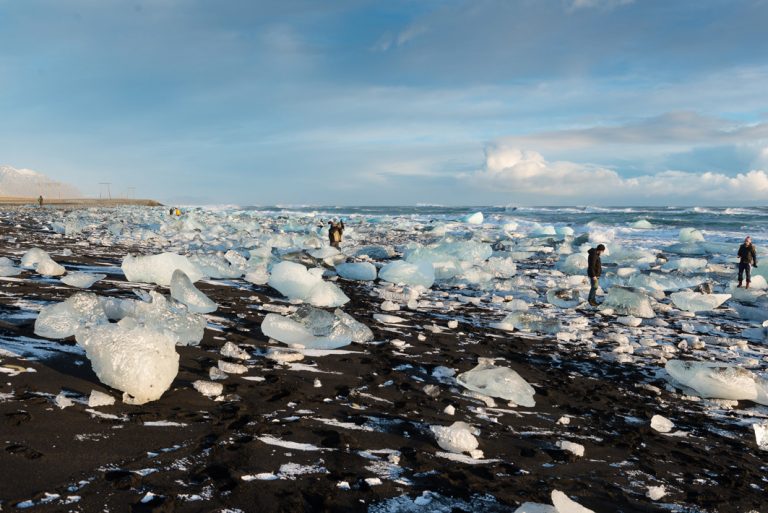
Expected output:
(365, 397)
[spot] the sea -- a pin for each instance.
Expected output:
(718, 224)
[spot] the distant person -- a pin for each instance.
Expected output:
(40, 201)
(334, 233)
(172, 211)
(747, 259)
(177, 212)
(594, 270)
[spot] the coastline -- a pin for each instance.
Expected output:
(78, 202)
(188, 453)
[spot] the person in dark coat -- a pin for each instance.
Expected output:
(594, 270)
(747, 259)
(334, 233)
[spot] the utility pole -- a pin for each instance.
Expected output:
(105, 186)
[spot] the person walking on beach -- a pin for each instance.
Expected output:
(594, 270)
(40, 201)
(334, 233)
(747, 259)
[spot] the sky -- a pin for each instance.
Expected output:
(393, 102)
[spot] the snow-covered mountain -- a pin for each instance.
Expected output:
(29, 183)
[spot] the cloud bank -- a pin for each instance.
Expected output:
(528, 176)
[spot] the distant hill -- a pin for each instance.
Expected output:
(29, 183)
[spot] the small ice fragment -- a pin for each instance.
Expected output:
(317, 383)
(534, 507)
(564, 421)
(230, 350)
(572, 447)
(630, 321)
(453, 324)
(476, 218)
(216, 374)
(360, 271)
(476, 454)
(388, 319)
(563, 504)
(372, 481)
(208, 388)
(100, 399)
(501, 382)
(389, 306)
(62, 401)
(662, 424)
(449, 410)
(283, 355)
(457, 437)
(656, 492)
(81, 280)
(761, 435)
(343, 485)
(232, 368)
(183, 291)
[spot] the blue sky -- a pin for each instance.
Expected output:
(346, 102)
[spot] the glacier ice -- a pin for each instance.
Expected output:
(719, 381)
(404, 273)
(564, 298)
(361, 271)
(316, 329)
(215, 266)
(81, 280)
(690, 235)
(185, 292)
(294, 281)
(8, 268)
(208, 388)
(563, 504)
(140, 361)
(158, 268)
(662, 424)
(61, 320)
(476, 218)
(97, 399)
(686, 264)
(628, 301)
(642, 224)
(257, 275)
(698, 302)
(502, 382)
(524, 320)
(574, 264)
(41, 262)
(457, 437)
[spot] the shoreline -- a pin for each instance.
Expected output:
(187, 453)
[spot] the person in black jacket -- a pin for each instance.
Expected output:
(594, 270)
(334, 233)
(747, 259)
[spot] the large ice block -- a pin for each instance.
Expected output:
(184, 291)
(501, 382)
(720, 381)
(158, 268)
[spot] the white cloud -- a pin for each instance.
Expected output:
(528, 175)
(389, 41)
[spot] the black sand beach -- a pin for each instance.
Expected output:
(366, 425)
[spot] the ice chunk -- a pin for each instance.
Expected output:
(138, 360)
(97, 399)
(686, 264)
(216, 266)
(316, 329)
(564, 298)
(208, 388)
(294, 281)
(47, 267)
(501, 382)
(719, 381)
(574, 264)
(761, 435)
(361, 271)
(457, 437)
(184, 291)
(642, 224)
(231, 350)
(404, 273)
(62, 401)
(697, 302)
(688, 235)
(527, 321)
(7, 267)
(81, 280)
(476, 218)
(158, 268)
(571, 447)
(232, 368)
(656, 492)
(662, 424)
(563, 504)
(62, 320)
(32, 257)
(257, 275)
(628, 301)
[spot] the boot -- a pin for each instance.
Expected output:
(747, 285)
(739, 285)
